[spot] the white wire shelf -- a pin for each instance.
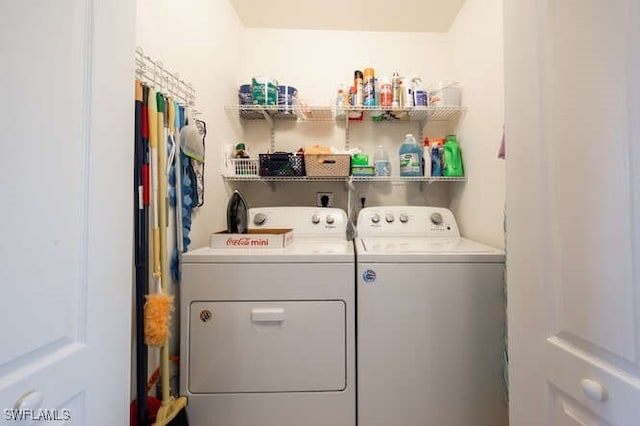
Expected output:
(153, 73)
(391, 179)
(399, 179)
(327, 113)
(274, 112)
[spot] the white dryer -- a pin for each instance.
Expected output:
(430, 322)
(268, 335)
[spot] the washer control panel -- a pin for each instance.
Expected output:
(407, 221)
(319, 221)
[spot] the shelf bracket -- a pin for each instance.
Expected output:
(267, 116)
(422, 124)
(346, 131)
(349, 186)
(272, 138)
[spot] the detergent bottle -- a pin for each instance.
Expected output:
(452, 158)
(410, 157)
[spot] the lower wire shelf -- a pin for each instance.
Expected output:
(392, 179)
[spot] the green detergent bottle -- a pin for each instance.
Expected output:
(452, 158)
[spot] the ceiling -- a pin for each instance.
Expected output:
(349, 15)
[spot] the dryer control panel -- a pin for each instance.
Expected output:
(410, 221)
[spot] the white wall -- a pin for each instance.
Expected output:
(475, 45)
(316, 62)
(202, 40)
(205, 42)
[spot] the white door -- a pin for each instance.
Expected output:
(66, 112)
(573, 211)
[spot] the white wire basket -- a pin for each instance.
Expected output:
(242, 167)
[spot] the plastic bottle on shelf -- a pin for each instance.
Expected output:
(354, 114)
(452, 158)
(410, 157)
(381, 163)
(395, 90)
(407, 91)
(376, 114)
(340, 102)
(385, 92)
(420, 97)
(358, 83)
(436, 168)
(369, 87)
(426, 158)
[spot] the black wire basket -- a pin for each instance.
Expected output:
(282, 164)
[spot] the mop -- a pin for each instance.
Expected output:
(171, 407)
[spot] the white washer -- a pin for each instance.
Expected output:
(268, 335)
(430, 322)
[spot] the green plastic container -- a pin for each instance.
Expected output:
(452, 156)
(264, 91)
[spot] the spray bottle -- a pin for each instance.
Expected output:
(358, 83)
(426, 158)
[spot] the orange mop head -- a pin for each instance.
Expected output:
(157, 316)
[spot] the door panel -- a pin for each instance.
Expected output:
(567, 412)
(278, 346)
(588, 146)
(66, 243)
(573, 211)
(42, 152)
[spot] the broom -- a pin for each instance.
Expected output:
(139, 413)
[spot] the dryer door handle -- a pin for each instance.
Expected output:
(267, 315)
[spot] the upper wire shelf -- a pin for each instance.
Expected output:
(355, 114)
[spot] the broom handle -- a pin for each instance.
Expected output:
(162, 190)
(153, 148)
(140, 256)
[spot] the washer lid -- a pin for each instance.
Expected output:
(302, 250)
(420, 249)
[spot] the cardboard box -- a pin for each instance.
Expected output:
(254, 239)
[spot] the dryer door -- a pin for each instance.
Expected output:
(274, 346)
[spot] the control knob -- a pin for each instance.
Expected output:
(330, 219)
(375, 218)
(315, 219)
(436, 219)
(389, 217)
(259, 219)
(404, 218)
